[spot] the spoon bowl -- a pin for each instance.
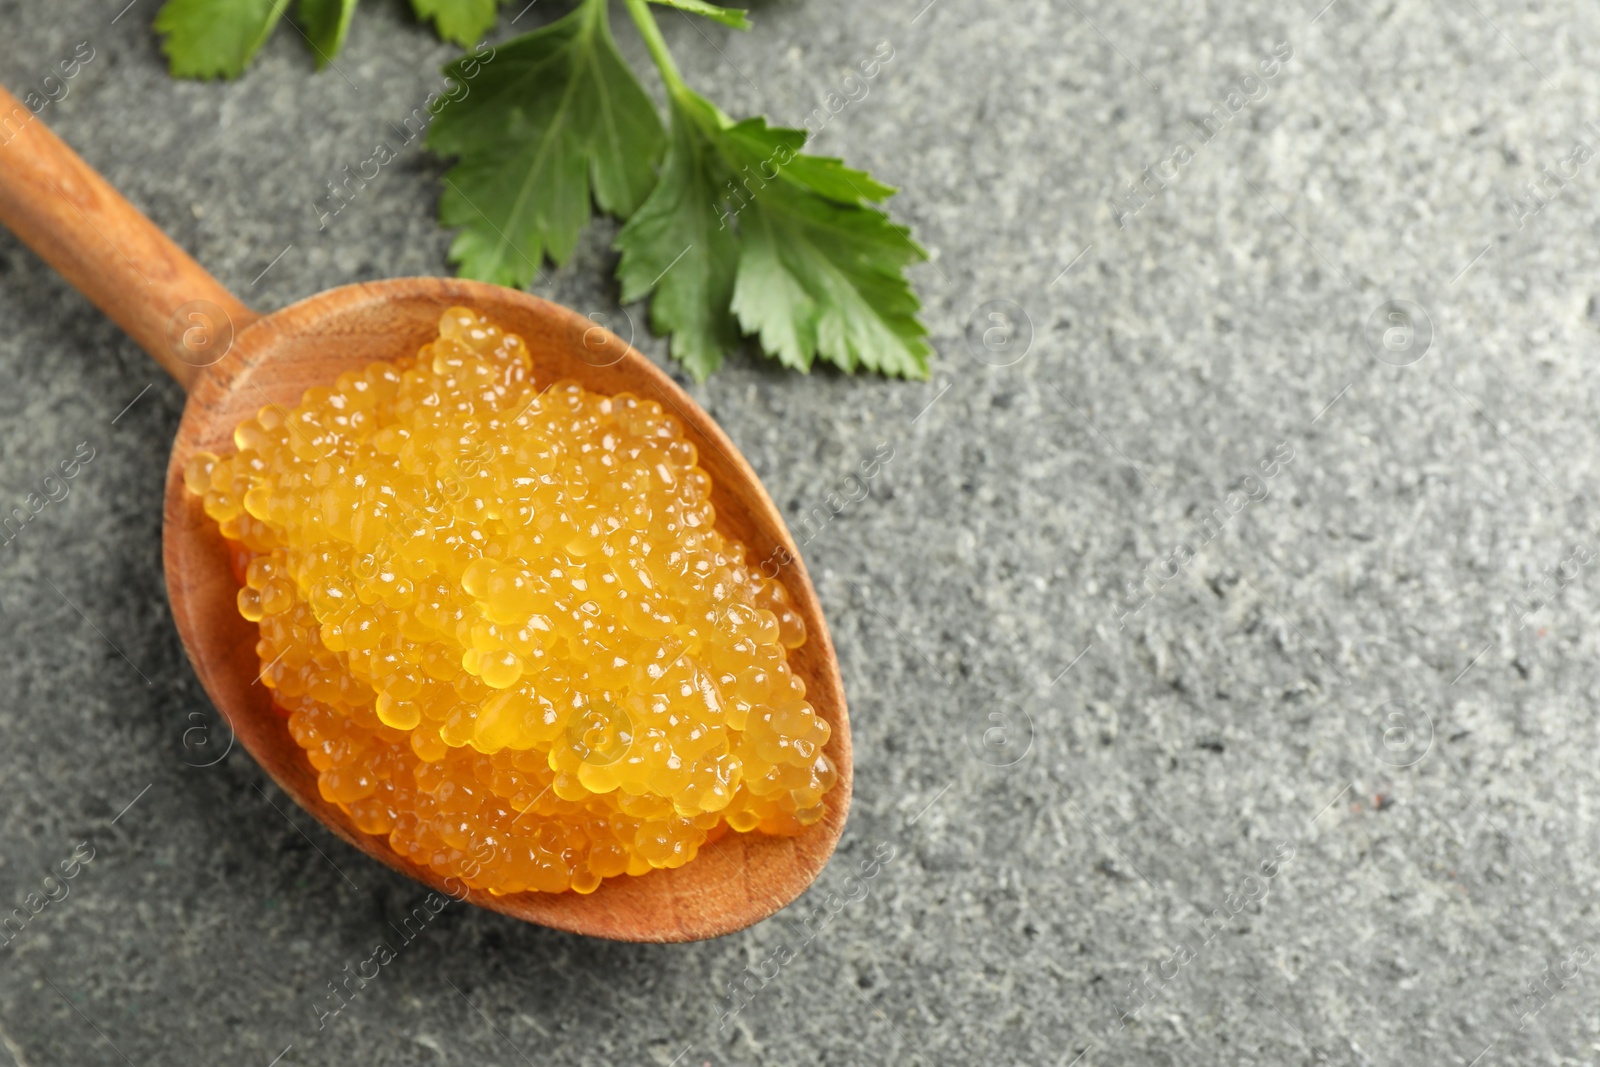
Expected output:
(234, 362)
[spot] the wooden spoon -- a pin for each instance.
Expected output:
(233, 361)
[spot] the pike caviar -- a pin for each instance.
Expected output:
(503, 625)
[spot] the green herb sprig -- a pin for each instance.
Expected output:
(731, 229)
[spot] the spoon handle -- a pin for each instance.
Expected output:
(109, 251)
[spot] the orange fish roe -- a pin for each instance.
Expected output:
(504, 627)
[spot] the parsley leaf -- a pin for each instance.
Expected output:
(679, 246)
(728, 16)
(822, 270)
(819, 270)
(212, 38)
(556, 114)
(326, 22)
(461, 21)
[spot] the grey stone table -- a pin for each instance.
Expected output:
(1218, 636)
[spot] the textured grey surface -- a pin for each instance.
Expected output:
(1229, 721)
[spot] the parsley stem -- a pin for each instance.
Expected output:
(646, 21)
